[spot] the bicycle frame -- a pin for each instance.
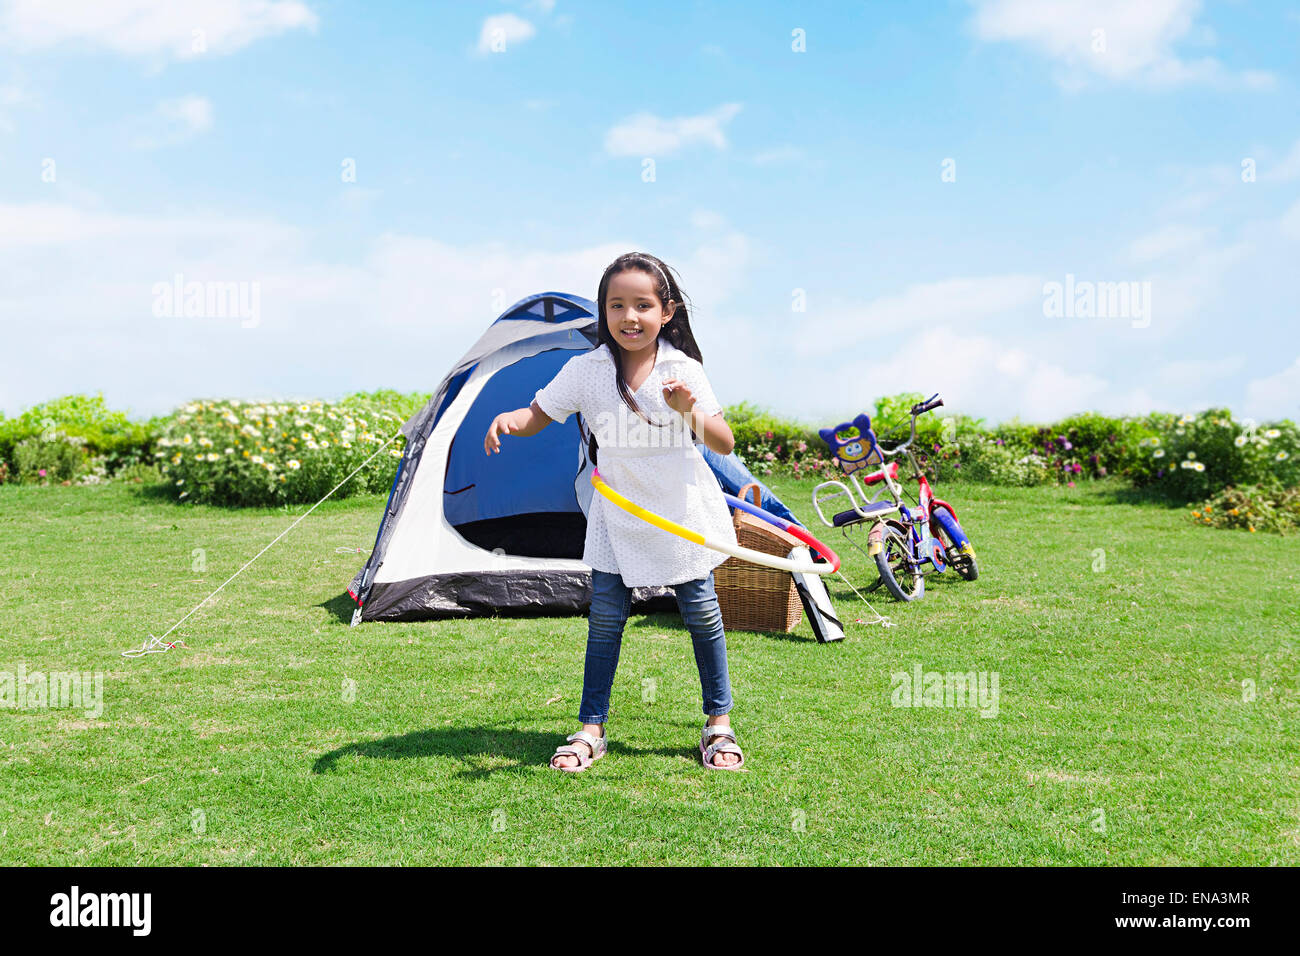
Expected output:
(906, 543)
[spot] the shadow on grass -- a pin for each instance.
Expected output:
(341, 607)
(1117, 494)
(475, 746)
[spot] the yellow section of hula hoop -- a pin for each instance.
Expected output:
(671, 527)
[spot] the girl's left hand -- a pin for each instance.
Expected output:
(678, 396)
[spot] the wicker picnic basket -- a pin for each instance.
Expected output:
(752, 597)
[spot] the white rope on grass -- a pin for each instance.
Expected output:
(881, 619)
(160, 645)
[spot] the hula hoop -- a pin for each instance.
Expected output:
(736, 551)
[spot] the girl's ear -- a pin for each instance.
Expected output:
(671, 310)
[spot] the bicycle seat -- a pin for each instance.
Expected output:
(874, 509)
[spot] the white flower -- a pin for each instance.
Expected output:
(294, 464)
(1191, 456)
(258, 459)
(1198, 466)
(212, 456)
(1282, 456)
(230, 451)
(1272, 433)
(1239, 441)
(187, 440)
(1159, 453)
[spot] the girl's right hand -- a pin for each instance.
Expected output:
(500, 426)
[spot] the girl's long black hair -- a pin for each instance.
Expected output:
(678, 331)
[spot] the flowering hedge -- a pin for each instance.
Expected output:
(1251, 509)
(1193, 456)
(267, 453)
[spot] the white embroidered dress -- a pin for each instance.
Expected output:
(658, 468)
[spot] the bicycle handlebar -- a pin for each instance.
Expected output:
(919, 409)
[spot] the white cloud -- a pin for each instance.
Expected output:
(1290, 222)
(648, 135)
(948, 300)
(1285, 169)
(982, 375)
(1187, 374)
(1167, 241)
(78, 298)
(1275, 396)
(1115, 39)
(707, 219)
(173, 122)
(502, 31)
(12, 94)
(156, 28)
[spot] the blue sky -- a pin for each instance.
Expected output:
(1102, 140)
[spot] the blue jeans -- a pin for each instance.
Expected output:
(611, 600)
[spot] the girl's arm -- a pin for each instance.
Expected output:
(522, 422)
(713, 430)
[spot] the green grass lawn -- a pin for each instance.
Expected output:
(1123, 734)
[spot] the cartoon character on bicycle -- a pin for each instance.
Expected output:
(905, 543)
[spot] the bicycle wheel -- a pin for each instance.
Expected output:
(897, 573)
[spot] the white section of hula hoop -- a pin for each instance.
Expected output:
(767, 560)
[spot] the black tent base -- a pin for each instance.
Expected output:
(497, 594)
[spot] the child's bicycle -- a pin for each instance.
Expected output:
(906, 544)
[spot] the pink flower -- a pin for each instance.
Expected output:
(1070, 484)
(41, 473)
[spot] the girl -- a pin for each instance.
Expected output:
(644, 391)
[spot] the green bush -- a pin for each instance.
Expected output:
(104, 431)
(1251, 508)
(984, 459)
(140, 474)
(49, 459)
(767, 443)
(1192, 457)
(268, 453)
(1081, 446)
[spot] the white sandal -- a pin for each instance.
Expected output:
(598, 747)
(725, 746)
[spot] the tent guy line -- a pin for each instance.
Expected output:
(159, 644)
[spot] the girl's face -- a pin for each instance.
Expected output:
(633, 311)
